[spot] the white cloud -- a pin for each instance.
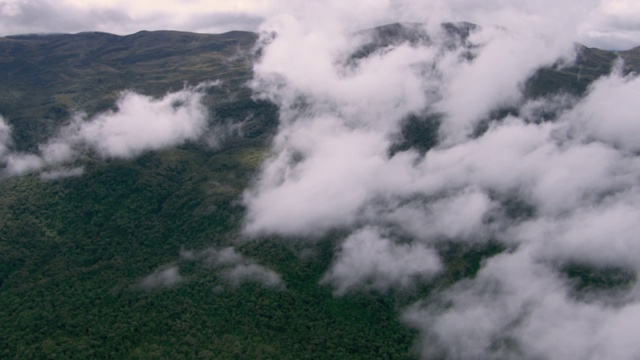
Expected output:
(458, 217)
(331, 168)
(18, 164)
(611, 112)
(253, 273)
(602, 234)
(62, 173)
(518, 308)
(369, 260)
(140, 123)
(168, 277)
(5, 137)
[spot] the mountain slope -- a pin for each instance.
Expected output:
(88, 263)
(44, 78)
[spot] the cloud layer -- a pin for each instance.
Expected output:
(561, 197)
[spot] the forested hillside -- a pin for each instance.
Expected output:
(90, 248)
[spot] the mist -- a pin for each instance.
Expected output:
(559, 196)
(234, 268)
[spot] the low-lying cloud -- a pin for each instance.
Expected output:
(369, 260)
(560, 196)
(142, 123)
(235, 268)
(5, 137)
(162, 278)
(139, 123)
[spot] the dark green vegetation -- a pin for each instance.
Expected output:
(44, 78)
(588, 281)
(575, 78)
(74, 251)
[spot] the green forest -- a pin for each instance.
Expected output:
(76, 253)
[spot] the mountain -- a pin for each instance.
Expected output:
(88, 263)
(78, 254)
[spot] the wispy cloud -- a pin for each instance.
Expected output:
(162, 278)
(5, 137)
(235, 268)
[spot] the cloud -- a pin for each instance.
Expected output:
(140, 123)
(552, 180)
(125, 17)
(610, 111)
(168, 277)
(580, 176)
(62, 173)
(5, 137)
(235, 268)
(243, 273)
(516, 307)
(330, 158)
(367, 259)
(18, 164)
(556, 194)
(458, 217)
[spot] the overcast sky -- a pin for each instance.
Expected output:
(613, 24)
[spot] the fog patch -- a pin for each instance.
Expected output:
(162, 278)
(235, 268)
(62, 173)
(5, 137)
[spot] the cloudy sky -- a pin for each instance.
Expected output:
(604, 23)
